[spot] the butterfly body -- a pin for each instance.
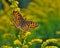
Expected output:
(22, 23)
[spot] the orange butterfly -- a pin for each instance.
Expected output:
(22, 23)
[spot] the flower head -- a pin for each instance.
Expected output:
(51, 47)
(27, 34)
(17, 42)
(25, 46)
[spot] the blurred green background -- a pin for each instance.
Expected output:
(46, 13)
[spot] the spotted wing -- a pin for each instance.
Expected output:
(29, 25)
(18, 19)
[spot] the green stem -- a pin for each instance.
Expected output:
(24, 42)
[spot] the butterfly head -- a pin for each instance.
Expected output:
(15, 12)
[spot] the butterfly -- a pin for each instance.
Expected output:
(22, 23)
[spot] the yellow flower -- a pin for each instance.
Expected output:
(32, 41)
(36, 40)
(29, 43)
(17, 42)
(17, 9)
(27, 34)
(51, 40)
(25, 46)
(6, 46)
(51, 47)
(7, 35)
(15, 5)
(58, 32)
(12, 6)
(16, 2)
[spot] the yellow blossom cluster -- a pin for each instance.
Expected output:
(25, 46)
(14, 5)
(6, 46)
(51, 47)
(17, 42)
(35, 40)
(8, 35)
(58, 32)
(48, 41)
(27, 34)
(51, 40)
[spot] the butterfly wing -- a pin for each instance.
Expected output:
(17, 18)
(32, 24)
(29, 25)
